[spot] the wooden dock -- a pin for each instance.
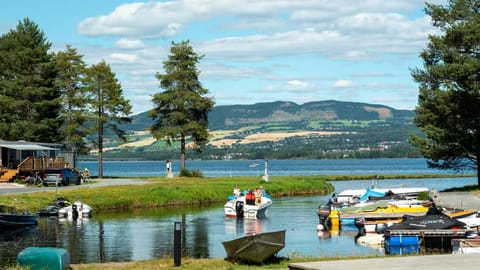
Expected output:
(429, 233)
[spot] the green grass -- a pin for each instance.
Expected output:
(167, 192)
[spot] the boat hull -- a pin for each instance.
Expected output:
(238, 208)
(8, 221)
(255, 248)
(83, 211)
(465, 246)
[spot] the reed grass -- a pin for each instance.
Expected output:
(161, 192)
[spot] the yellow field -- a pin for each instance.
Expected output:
(217, 138)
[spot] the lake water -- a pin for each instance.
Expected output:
(222, 168)
(148, 234)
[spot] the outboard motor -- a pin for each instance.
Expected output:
(74, 211)
(360, 224)
(323, 220)
(380, 228)
(239, 209)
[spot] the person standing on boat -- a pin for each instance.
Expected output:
(262, 190)
(258, 196)
(236, 191)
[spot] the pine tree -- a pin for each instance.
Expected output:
(29, 100)
(71, 73)
(181, 110)
(448, 110)
(107, 106)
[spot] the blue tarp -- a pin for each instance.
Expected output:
(372, 193)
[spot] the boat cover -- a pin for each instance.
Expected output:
(371, 193)
(434, 219)
(365, 208)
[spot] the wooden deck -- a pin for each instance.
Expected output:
(32, 164)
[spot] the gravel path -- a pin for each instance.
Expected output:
(462, 200)
(13, 188)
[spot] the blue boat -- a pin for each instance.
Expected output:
(44, 258)
(9, 221)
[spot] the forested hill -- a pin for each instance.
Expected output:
(234, 116)
(285, 112)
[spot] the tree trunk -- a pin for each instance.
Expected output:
(182, 153)
(478, 175)
(100, 151)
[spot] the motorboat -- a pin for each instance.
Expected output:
(465, 246)
(350, 197)
(434, 230)
(383, 211)
(75, 210)
(255, 248)
(247, 206)
(64, 208)
(53, 208)
(13, 220)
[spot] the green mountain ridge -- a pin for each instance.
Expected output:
(285, 112)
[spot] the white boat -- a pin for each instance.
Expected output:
(354, 196)
(465, 246)
(76, 210)
(243, 207)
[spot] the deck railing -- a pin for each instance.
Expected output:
(42, 163)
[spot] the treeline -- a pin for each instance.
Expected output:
(54, 97)
(371, 142)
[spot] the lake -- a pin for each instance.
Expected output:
(148, 234)
(217, 168)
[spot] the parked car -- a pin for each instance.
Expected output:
(63, 177)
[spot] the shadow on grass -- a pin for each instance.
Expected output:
(272, 260)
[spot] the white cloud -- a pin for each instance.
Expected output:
(297, 85)
(245, 41)
(125, 43)
(123, 57)
(342, 84)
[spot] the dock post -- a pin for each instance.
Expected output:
(169, 169)
(177, 244)
(265, 174)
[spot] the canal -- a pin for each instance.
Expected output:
(148, 234)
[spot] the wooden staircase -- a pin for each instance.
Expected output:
(7, 175)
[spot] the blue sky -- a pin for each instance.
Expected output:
(255, 50)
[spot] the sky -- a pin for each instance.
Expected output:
(254, 51)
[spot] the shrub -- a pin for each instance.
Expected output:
(191, 173)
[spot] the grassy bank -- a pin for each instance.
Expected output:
(162, 192)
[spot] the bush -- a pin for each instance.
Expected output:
(191, 173)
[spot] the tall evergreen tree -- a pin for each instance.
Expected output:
(448, 110)
(107, 106)
(29, 100)
(181, 110)
(71, 73)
